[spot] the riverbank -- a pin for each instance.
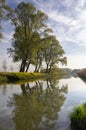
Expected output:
(22, 76)
(16, 76)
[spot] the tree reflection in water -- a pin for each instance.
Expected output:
(37, 108)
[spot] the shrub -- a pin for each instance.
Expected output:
(78, 117)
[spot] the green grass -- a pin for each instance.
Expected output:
(78, 117)
(17, 76)
(11, 77)
(3, 78)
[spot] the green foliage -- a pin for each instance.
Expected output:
(53, 54)
(78, 117)
(30, 28)
(33, 41)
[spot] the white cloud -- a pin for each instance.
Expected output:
(7, 32)
(71, 27)
(67, 3)
(57, 17)
(6, 39)
(80, 4)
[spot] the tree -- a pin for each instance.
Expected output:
(33, 41)
(54, 54)
(30, 27)
(38, 60)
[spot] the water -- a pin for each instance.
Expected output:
(40, 105)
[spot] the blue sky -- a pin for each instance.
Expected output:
(68, 20)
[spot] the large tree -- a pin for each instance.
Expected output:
(33, 41)
(30, 28)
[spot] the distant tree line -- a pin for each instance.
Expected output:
(33, 40)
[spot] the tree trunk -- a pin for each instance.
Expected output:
(36, 68)
(39, 65)
(23, 89)
(22, 67)
(28, 87)
(47, 69)
(27, 67)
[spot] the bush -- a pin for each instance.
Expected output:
(78, 117)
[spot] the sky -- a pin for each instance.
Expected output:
(68, 20)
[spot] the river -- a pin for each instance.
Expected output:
(40, 105)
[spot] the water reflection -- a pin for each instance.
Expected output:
(37, 107)
(4, 89)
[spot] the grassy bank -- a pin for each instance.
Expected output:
(22, 76)
(16, 76)
(78, 117)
